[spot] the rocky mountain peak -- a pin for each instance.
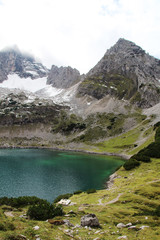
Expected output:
(125, 72)
(13, 61)
(125, 46)
(63, 77)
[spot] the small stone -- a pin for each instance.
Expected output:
(97, 232)
(146, 218)
(121, 225)
(68, 223)
(142, 227)
(36, 227)
(71, 212)
(128, 224)
(22, 237)
(134, 228)
(122, 237)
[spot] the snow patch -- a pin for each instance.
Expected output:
(14, 81)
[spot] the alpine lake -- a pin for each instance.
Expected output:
(47, 173)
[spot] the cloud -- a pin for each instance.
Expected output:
(78, 32)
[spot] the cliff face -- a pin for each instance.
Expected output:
(63, 77)
(125, 72)
(13, 61)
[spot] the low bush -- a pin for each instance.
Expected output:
(63, 196)
(130, 164)
(21, 201)
(153, 150)
(91, 191)
(78, 192)
(140, 157)
(7, 226)
(3, 227)
(44, 211)
(157, 211)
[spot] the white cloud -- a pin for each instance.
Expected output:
(78, 32)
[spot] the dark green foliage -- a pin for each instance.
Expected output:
(78, 192)
(44, 211)
(7, 226)
(140, 157)
(68, 123)
(153, 150)
(157, 136)
(63, 196)
(157, 211)
(91, 191)
(14, 237)
(156, 125)
(3, 227)
(21, 201)
(130, 164)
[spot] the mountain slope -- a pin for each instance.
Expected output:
(125, 72)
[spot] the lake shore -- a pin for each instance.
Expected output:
(124, 156)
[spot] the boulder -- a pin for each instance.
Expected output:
(90, 220)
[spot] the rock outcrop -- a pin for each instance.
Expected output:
(90, 220)
(125, 72)
(13, 61)
(63, 77)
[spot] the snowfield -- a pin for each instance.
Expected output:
(14, 81)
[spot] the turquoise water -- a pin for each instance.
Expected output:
(47, 173)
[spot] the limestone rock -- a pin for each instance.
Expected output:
(63, 77)
(90, 220)
(121, 225)
(13, 61)
(64, 202)
(125, 72)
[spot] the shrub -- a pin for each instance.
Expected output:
(63, 196)
(7, 226)
(91, 191)
(157, 211)
(140, 157)
(44, 211)
(78, 192)
(153, 150)
(14, 237)
(3, 227)
(130, 164)
(21, 201)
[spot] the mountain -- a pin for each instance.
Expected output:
(61, 108)
(125, 72)
(63, 77)
(13, 61)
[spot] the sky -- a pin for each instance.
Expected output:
(77, 33)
